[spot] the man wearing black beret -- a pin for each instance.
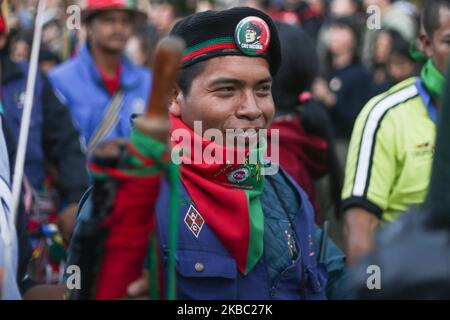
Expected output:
(246, 229)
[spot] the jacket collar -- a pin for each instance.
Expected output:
(129, 77)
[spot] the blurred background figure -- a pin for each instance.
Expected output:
(20, 45)
(344, 8)
(345, 84)
(310, 14)
(48, 59)
(163, 14)
(401, 64)
(26, 13)
(394, 15)
(339, 9)
(392, 61)
(381, 52)
(306, 143)
(101, 71)
(141, 45)
(55, 173)
(51, 35)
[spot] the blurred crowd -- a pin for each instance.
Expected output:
(355, 62)
(337, 28)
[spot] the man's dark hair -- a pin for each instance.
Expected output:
(188, 75)
(430, 15)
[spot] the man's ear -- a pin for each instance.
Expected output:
(425, 43)
(175, 103)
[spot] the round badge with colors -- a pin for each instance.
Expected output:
(238, 175)
(252, 36)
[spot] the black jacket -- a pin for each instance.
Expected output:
(60, 139)
(61, 147)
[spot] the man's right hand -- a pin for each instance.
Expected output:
(359, 228)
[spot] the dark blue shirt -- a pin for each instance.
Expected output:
(352, 87)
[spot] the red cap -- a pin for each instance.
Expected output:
(94, 6)
(107, 4)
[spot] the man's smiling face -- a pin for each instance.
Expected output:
(438, 46)
(231, 92)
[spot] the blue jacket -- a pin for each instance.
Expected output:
(79, 84)
(283, 272)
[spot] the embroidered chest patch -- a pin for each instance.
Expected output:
(194, 221)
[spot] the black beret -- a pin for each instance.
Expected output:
(211, 34)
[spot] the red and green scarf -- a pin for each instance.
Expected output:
(227, 195)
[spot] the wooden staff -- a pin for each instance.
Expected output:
(155, 121)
